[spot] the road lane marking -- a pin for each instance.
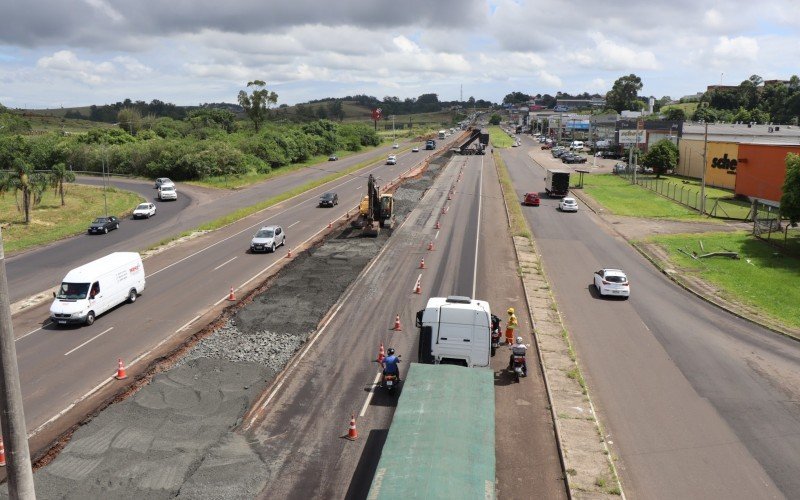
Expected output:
(370, 394)
(188, 323)
(478, 229)
(229, 260)
(292, 224)
(435, 236)
(33, 331)
(91, 339)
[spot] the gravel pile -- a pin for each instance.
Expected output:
(266, 348)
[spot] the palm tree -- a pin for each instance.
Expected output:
(58, 176)
(22, 179)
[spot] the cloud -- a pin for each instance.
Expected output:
(608, 55)
(549, 79)
(741, 47)
(66, 64)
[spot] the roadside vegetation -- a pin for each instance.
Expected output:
(519, 227)
(498, 138)
(52, 222)
(762, 277)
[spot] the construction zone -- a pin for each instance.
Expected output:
(177, 433)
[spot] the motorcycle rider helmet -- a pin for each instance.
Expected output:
(510, 310)
(390, 351)
(519, 340)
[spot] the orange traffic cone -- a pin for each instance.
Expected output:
(397, 326)
(443, 211)
(381, 354)
(289, 254)
(121, 375)
(422, 263)
(449, 196)
(231, 296)
(2, 454)
(352, 433)
(330, 224)
(438, 225)
(418, 288)
(430, 246)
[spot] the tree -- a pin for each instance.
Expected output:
(623, 95)
(336, 109)
(661, 157)
(675, 114)
(130, 120)
(22, 179)
(256, 105)
(58, 176)
(494, 119)
(790, 199)
(516, 98)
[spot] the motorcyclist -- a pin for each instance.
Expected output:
(519, 349)
(390, 364)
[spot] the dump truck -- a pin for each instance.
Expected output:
(556, 183)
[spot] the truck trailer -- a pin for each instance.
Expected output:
(556, 183)
(455, 330)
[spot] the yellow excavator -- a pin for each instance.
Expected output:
(374, 207)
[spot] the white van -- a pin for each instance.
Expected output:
(455, 330)
(92, 289)
(576, 146)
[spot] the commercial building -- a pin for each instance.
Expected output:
(749, 159)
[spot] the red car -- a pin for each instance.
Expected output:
(531, 199)
(547, 146)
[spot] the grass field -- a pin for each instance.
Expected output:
(623, 198)
(688, 108)
(50, 221)
(519, 227)
(720, 202)
(759, 278)
(498, 138)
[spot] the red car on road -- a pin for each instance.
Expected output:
(531, 199)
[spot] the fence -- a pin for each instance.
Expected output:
(688, 194)
(770, 227)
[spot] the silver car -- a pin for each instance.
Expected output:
(267, 239)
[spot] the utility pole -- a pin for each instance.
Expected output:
(105, 181)
(703, 174)
(12, 417)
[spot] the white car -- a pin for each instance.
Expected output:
(415, 149)
(144, 211)
(167, 193)
(267, 239)
(391, 160)
(612, 282)
(396, 146)
(164, 181)
(568, 205)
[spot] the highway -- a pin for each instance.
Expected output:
(40, 269)
(299, 424)
(64, 369)
(696, 403)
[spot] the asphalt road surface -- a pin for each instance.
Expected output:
(61, 367)
(300, 423)
(40, 269)
(696, 402)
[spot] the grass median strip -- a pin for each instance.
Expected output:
(762, 277)
(517, 220)
(498, 138)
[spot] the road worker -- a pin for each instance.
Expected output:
(511, 325)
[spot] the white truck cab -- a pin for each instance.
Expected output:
(455, 330)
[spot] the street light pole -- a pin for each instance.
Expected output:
(703, 174)
(12, 416)
(105, 182)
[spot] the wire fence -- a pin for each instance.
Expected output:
(687, 193)
(770, 227)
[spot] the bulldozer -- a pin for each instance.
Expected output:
(374, 207)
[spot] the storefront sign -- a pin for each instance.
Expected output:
(725, 163)
(632, 136)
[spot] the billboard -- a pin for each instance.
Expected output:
(572, 124)
(632, 136)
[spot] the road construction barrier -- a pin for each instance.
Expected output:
(397, 327)
(352, 433)
(121, 375)
(422, 263)
(381, 354)
(430, 246)
(231, 296)
(289, 254)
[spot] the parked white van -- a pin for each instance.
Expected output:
(92, 289)
(455, 330)
(576, 146)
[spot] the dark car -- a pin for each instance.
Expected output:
(547, 146)
(329, 200)
(531, 199)
(104, 225)
(333, 158)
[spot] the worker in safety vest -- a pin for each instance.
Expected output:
(510, 326)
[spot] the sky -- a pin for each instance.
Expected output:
(80, 52)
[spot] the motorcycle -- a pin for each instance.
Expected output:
(496, 333)
(390, 381)
(518, 366)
